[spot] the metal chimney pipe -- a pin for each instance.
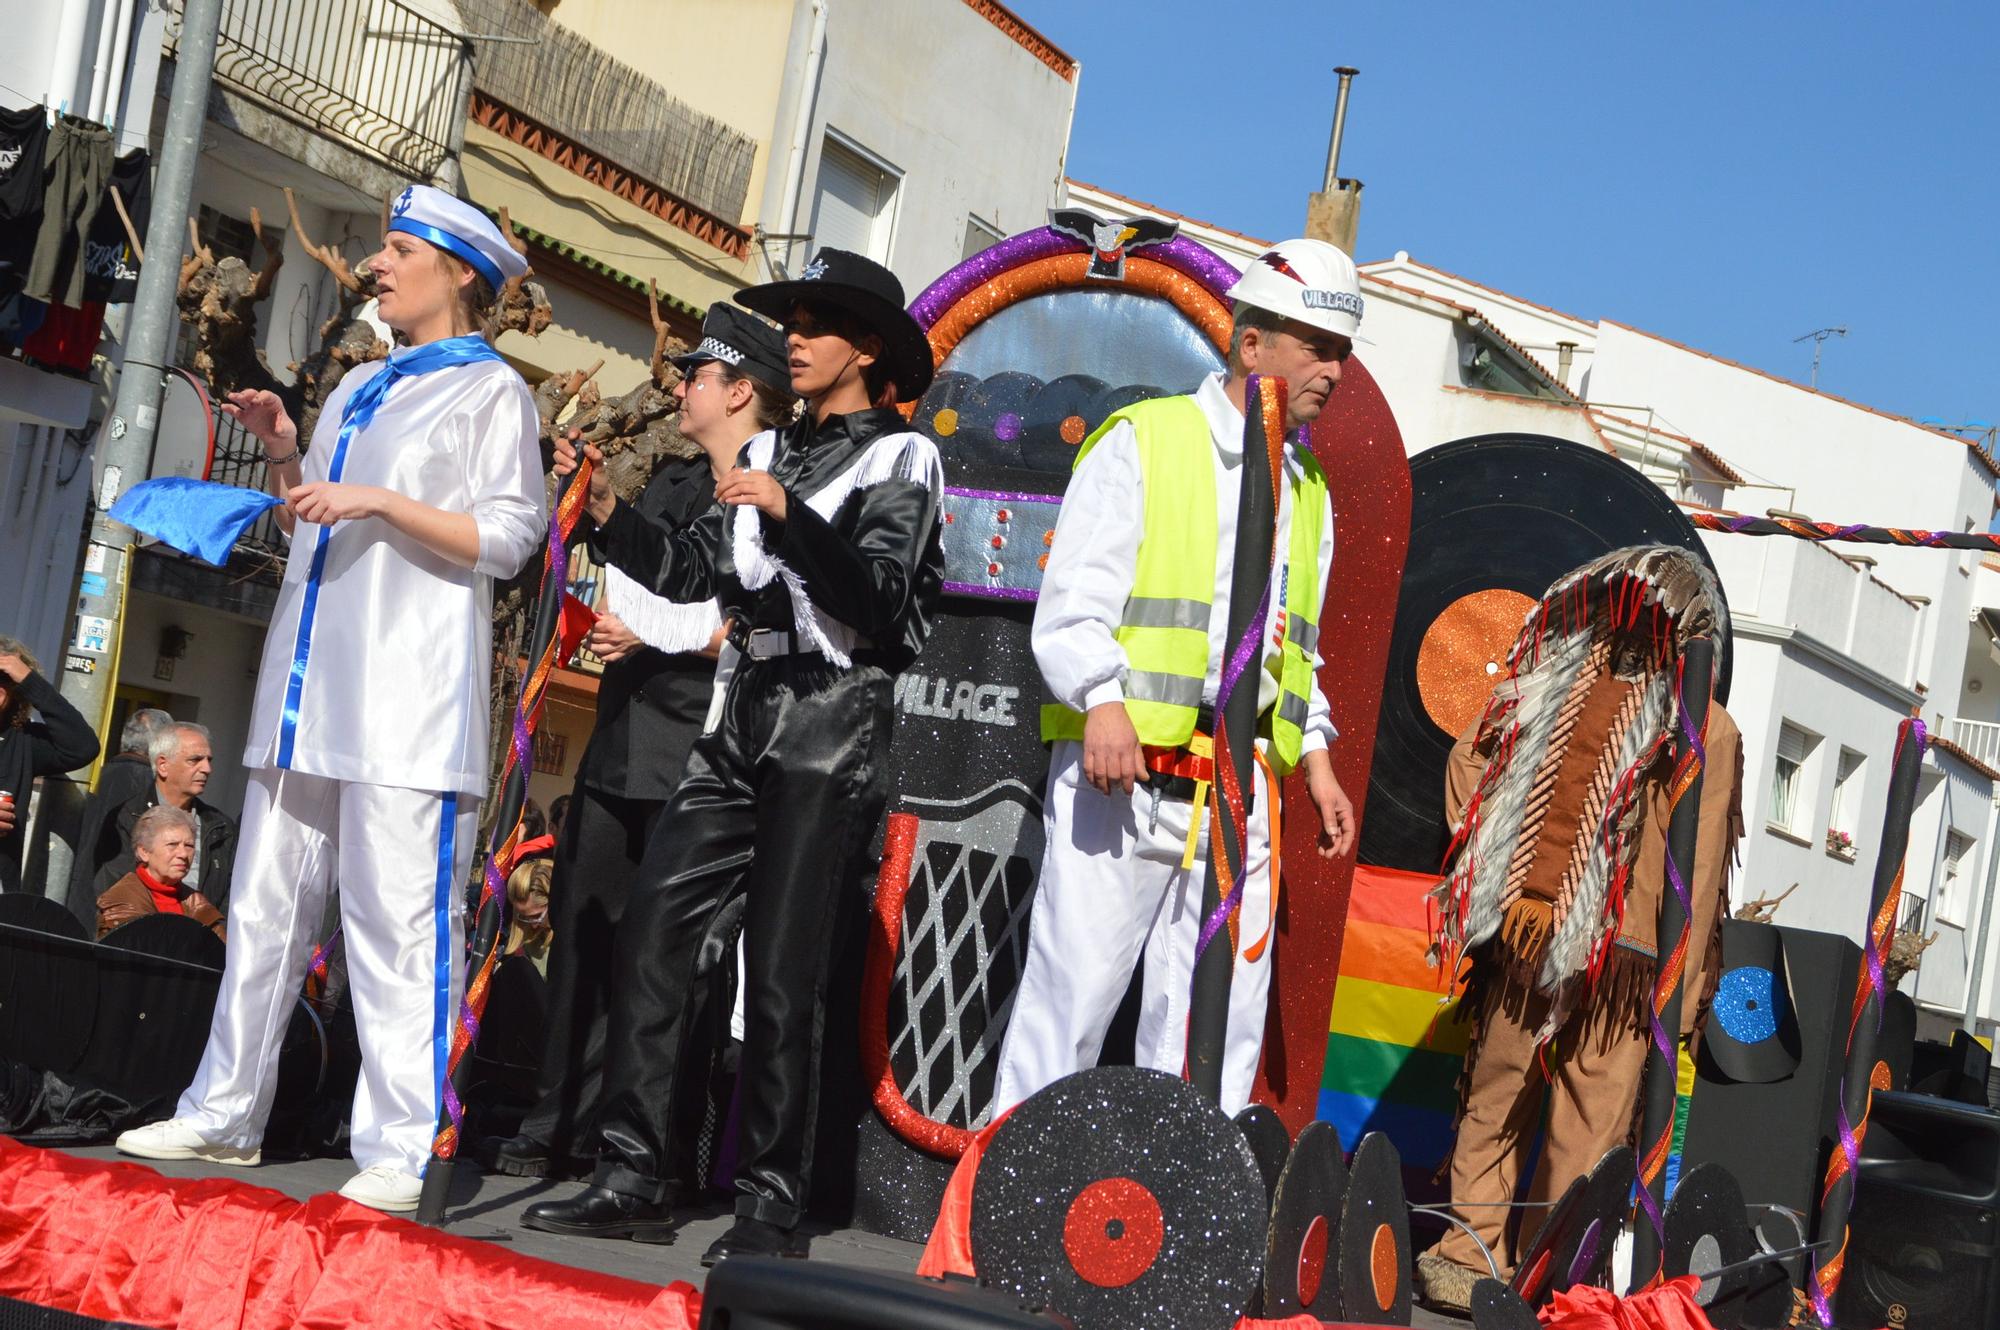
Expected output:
(1347, 73)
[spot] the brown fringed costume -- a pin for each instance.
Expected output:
(1559, 801)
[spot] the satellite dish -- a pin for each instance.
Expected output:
(185, 443)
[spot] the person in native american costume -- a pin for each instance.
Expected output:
(1559, 802)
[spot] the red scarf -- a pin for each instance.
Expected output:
(166, 899)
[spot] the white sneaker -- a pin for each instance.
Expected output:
(176, 1138)
(384, 1187)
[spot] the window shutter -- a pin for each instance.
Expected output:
(1956, 846)
(1792, 743)
(850, 202)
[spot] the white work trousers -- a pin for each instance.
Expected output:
(1112, 884)
(399, 858)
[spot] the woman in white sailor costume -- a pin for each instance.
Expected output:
(368, 736)
(824, 550)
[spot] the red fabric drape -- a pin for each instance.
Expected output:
(120, 1242)
(1669, 1306)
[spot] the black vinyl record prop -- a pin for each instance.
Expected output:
(1057, 420)
(1708, 1229)
(1494, 520)
(1574, 1243)
(1496, 1306)
(1270, 1144)
(1752, 1035)
(1305, 1223)
(1120, 1197)
(1372, 1244)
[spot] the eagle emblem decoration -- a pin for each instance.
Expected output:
(1111, 242)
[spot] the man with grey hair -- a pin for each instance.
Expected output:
(182, 759)
(123, 777)
(1130, 635)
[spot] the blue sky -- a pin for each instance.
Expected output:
(1728, 175)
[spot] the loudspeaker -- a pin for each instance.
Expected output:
(1923, 1240)
(1774, 1135)
(1961, 1070)
(766, 1293)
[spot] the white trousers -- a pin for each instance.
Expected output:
(399, 858)
(1111, 885)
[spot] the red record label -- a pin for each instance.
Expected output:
(1113, 1232)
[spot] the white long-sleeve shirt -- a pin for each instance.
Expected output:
(397, 658)
(1094, 560)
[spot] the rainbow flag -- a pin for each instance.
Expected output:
(1392, 1052)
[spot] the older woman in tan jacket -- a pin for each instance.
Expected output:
(163, 843)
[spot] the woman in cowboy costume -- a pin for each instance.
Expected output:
(824, 551)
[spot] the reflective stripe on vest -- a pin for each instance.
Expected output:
(1166, 612)
(1164, 626)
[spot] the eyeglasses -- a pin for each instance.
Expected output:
(694, 378)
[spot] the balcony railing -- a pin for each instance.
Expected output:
(1981, 738)
(375, 74)
(239, 460)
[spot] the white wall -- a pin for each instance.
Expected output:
(1841, 463)
(27, 58)
(974, 122)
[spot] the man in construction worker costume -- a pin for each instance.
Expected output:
(1129, 635)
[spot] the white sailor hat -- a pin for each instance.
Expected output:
(458, 228)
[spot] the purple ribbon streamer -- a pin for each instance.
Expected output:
(1233, 671)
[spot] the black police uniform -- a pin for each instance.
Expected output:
(779, 804)
(650, 707)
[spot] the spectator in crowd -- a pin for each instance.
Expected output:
(163, 843)
(122, 777)
(182, 760)
(62, 740)
(528, 931)
(558, 815)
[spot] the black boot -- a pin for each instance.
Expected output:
(754, 1237)
(516, 1156)
(599, 1212)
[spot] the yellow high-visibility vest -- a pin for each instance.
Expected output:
(1164, 629)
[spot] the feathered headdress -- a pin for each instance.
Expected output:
(1628, 612)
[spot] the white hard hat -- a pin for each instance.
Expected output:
(1307, 280)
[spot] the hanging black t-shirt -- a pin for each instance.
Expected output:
(111, 269)
(24, 136)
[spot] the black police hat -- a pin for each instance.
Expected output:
(741, 341)
(868, 291)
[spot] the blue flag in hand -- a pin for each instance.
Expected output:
(197, 517)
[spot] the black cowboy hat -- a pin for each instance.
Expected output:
(868, 291)
(743, 341)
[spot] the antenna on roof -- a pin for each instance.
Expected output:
(1818, 336)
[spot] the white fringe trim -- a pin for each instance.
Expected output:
(905, 456)
(660, 623)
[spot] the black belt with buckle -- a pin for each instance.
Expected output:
(766, 643)
(1166, 784)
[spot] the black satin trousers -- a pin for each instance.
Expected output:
(598, 853)
(779, 805)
